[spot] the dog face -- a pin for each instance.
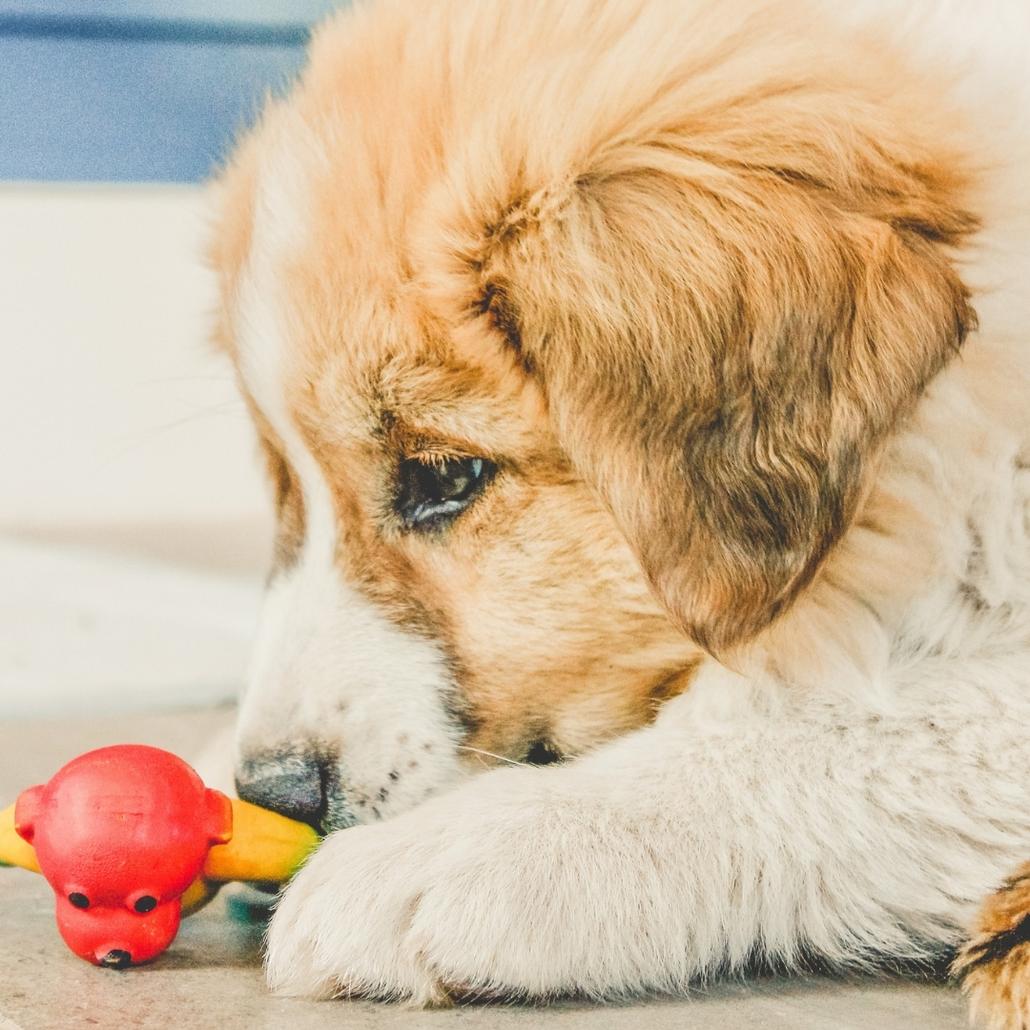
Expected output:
(571, 344)
(443, 579)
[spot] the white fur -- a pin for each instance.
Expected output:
(661, 858)
(756, 817)
(329, 670)
(773, 810)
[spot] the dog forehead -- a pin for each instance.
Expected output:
(336, 321)
(287, 337)
(322, 348)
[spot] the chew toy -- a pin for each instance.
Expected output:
(130, 840)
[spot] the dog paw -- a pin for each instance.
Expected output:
(344, 926)
(488, 891)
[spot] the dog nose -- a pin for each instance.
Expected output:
(293, 784)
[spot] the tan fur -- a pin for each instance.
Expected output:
(680, 298)
(515, 610)
(752, 314)
(994, 967)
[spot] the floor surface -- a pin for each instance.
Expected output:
(211, 976)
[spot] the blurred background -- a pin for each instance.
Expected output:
(134, 524)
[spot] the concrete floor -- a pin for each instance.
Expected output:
(211, 976)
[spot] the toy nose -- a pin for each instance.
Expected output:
(116, 958)
(291, 783)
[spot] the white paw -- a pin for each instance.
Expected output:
(344, 925)
(496, 889)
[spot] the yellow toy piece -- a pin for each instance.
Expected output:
(265, 847)
(14, 850)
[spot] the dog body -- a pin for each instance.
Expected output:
(642, 385)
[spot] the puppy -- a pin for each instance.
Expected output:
(643, 388)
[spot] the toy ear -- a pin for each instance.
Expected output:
(219, 816)
(26, 812)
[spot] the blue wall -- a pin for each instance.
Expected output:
(130, 90)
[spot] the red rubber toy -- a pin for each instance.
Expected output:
(120, 834)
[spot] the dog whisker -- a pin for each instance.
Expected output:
(490, 754)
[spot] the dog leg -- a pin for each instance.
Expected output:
(732, 827)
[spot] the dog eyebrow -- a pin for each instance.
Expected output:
(452, 408)
(432, 429)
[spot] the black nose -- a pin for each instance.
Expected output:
(116, 959)
(292, 783)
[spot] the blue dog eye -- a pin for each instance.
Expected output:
(78, 900)
(430, 495)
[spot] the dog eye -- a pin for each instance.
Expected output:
(145, 904)
(430, 495)
(78, 900)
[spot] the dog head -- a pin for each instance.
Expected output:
(571, 343)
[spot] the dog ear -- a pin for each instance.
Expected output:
(724, 342)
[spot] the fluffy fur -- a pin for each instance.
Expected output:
(733, 296)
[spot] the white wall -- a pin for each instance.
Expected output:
(133, 519)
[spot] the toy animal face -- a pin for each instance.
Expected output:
(120, 833)
(117, 936)
(571, 344)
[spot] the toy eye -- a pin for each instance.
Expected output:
(78, 900)
(145, 904)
